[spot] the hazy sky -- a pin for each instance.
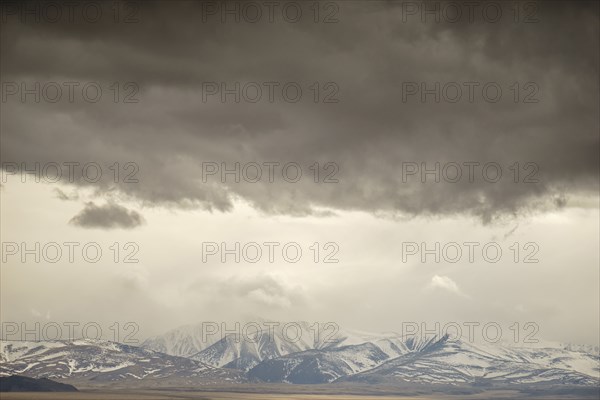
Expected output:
(367, 115)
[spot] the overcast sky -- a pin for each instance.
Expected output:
(367, 116)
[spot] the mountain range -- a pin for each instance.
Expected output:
(185, 357)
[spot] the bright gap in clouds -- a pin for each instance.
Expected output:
(369, 283)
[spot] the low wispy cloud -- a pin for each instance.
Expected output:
(264, 290)
(445, 283)
(38, 314)
(107, 216)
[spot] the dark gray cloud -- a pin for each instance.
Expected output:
(107, 216)
(369, 133)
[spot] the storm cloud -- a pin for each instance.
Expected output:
(531, 149)
(107, 216)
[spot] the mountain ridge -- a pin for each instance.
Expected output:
(346, 357)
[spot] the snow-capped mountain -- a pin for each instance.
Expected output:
(351, 356)
(102, 361)
(243, 350)
(303, 358)
(457, 362)
(319, 366)
(184, 341)
(434, 361)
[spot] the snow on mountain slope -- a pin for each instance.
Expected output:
(329, 364)
(447, 361)
(244, 351)
(101, 361)
(319, 366)
(183, 341)
(389, 360)
(307, 357)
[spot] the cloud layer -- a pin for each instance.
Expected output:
(372, 136)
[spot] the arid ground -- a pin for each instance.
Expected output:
(164, 395)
